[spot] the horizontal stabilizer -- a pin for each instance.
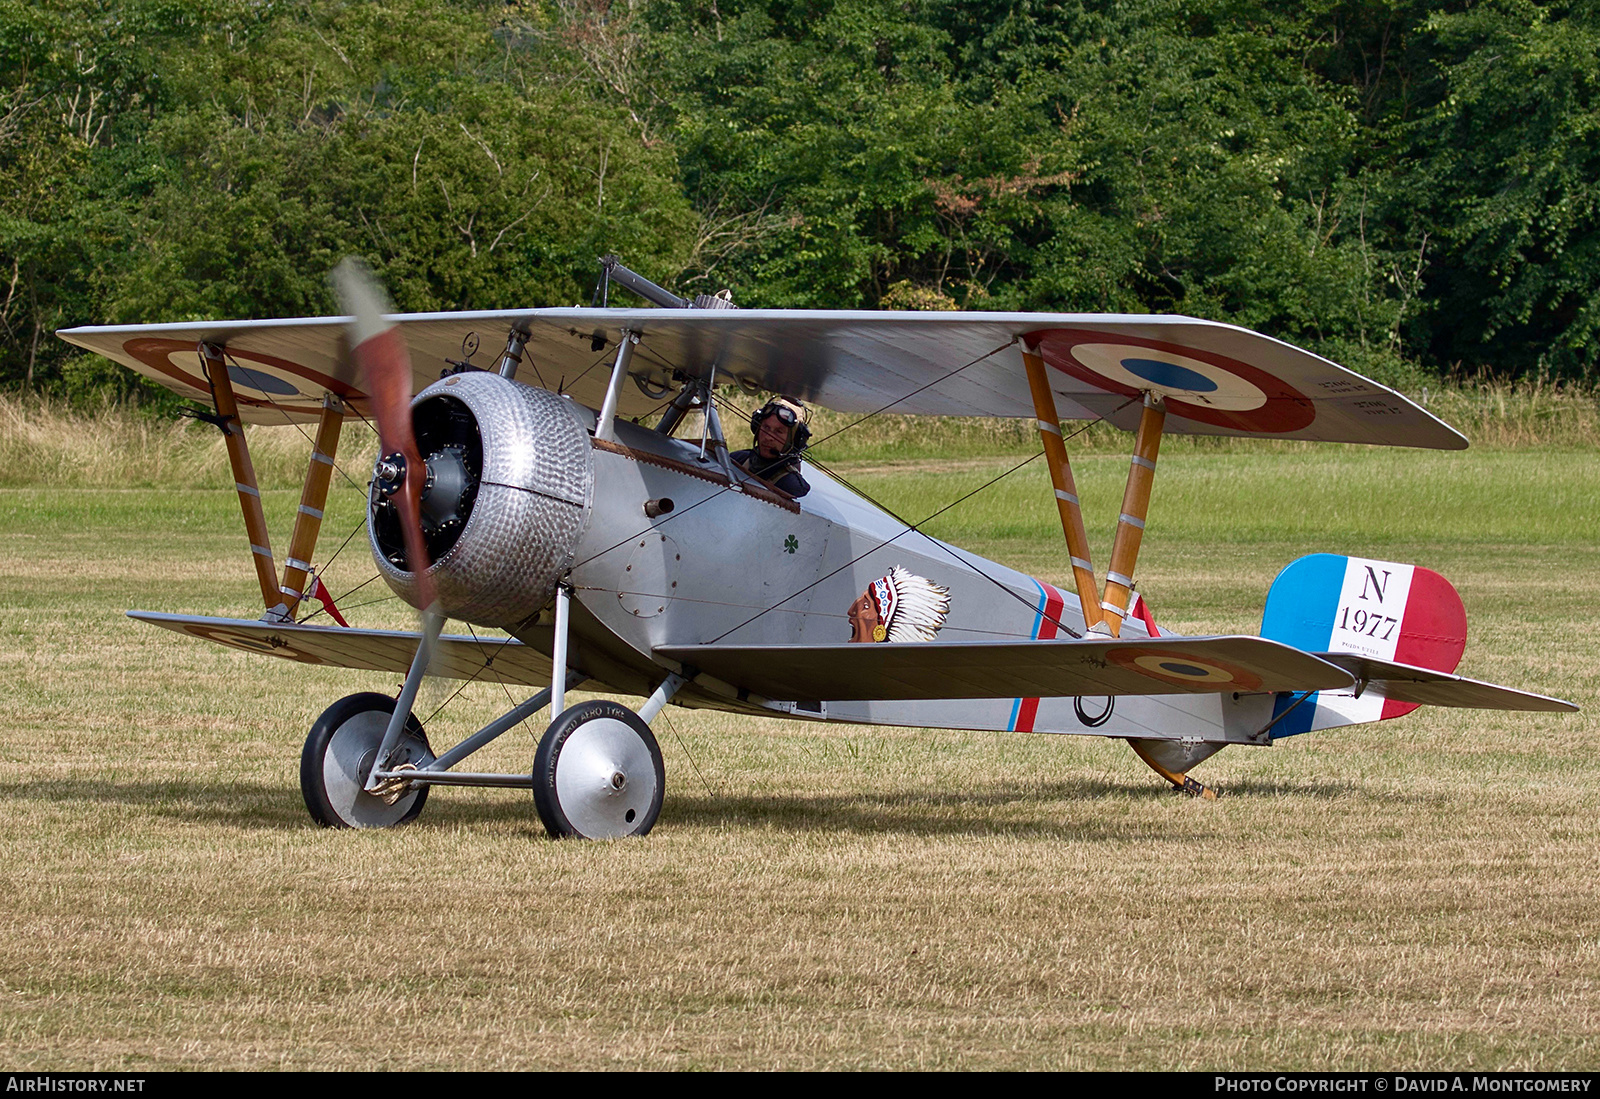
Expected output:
(1407, 683)
(1013, 669)
(490, 659)
(1399, 629)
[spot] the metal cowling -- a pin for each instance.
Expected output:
(516, 514)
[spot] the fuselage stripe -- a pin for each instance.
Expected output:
(1025, 710)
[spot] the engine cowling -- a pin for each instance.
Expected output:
(509, 489)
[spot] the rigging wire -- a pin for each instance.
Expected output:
(362, 522)
(584, 373)
(488, 660)
(325, 565)
(290, 420)
(373, 602)
(728, 403)
(914, 392)
(665, 519)
(483, 646)
(363, 584)
(909, 528)
(692, 762)
(965, 559)
(917, 527)
(754, 606)
(956, 552)
(452, 696)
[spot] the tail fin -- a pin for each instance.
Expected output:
(1402, 614)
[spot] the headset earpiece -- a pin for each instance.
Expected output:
(791, 413)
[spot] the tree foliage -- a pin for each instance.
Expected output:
(237, 150)
(1401, 184)
(1507, 180)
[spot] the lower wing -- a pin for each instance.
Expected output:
(491, 659)
(1013, 669)
(984, 669)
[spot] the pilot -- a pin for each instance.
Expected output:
(780, 431)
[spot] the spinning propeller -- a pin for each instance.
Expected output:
(380, 354)
(401, 475)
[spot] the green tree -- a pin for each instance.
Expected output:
(189, 159)
(1507, 182)
(846, 127)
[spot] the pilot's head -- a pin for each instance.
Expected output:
(779, 426)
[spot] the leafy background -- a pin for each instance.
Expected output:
(1408, 187)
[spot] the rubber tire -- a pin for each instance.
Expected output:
(547, 761)
(366, 810)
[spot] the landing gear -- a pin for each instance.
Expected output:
(1171, 759)
(598, 773)
(339, 755)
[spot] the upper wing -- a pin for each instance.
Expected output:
(1408, 683)
(1217, 379)
(493, 660)
(1014, 669)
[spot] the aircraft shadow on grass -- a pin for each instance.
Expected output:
(263, 805)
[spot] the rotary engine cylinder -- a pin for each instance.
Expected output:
(509, 490)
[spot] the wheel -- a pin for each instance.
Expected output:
(338, 757)
(598, 773)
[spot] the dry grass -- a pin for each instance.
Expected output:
(1533, 413)
(44, 442)
(1418, 894)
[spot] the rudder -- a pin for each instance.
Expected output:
(1389, 611)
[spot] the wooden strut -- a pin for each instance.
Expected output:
(1125, 554)
(1109, 612)
(313, 498)
(244, 473)
(1055, 454)
(1135, 506)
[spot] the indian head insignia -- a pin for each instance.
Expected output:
(901, 606)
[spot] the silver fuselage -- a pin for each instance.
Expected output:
(733, 562)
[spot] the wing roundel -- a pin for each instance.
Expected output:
(1217, 379)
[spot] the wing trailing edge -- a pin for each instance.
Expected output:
(1022, 669)
(1426, 687)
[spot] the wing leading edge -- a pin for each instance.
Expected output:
(493, 660)
(1217, 379)
(1005, 669)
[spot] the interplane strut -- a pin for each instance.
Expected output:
(1055, 453)
(244, 473)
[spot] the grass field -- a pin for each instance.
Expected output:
(1417, 894)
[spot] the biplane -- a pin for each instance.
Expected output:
(576, 492)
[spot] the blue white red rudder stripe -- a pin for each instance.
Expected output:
(1400, 613)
